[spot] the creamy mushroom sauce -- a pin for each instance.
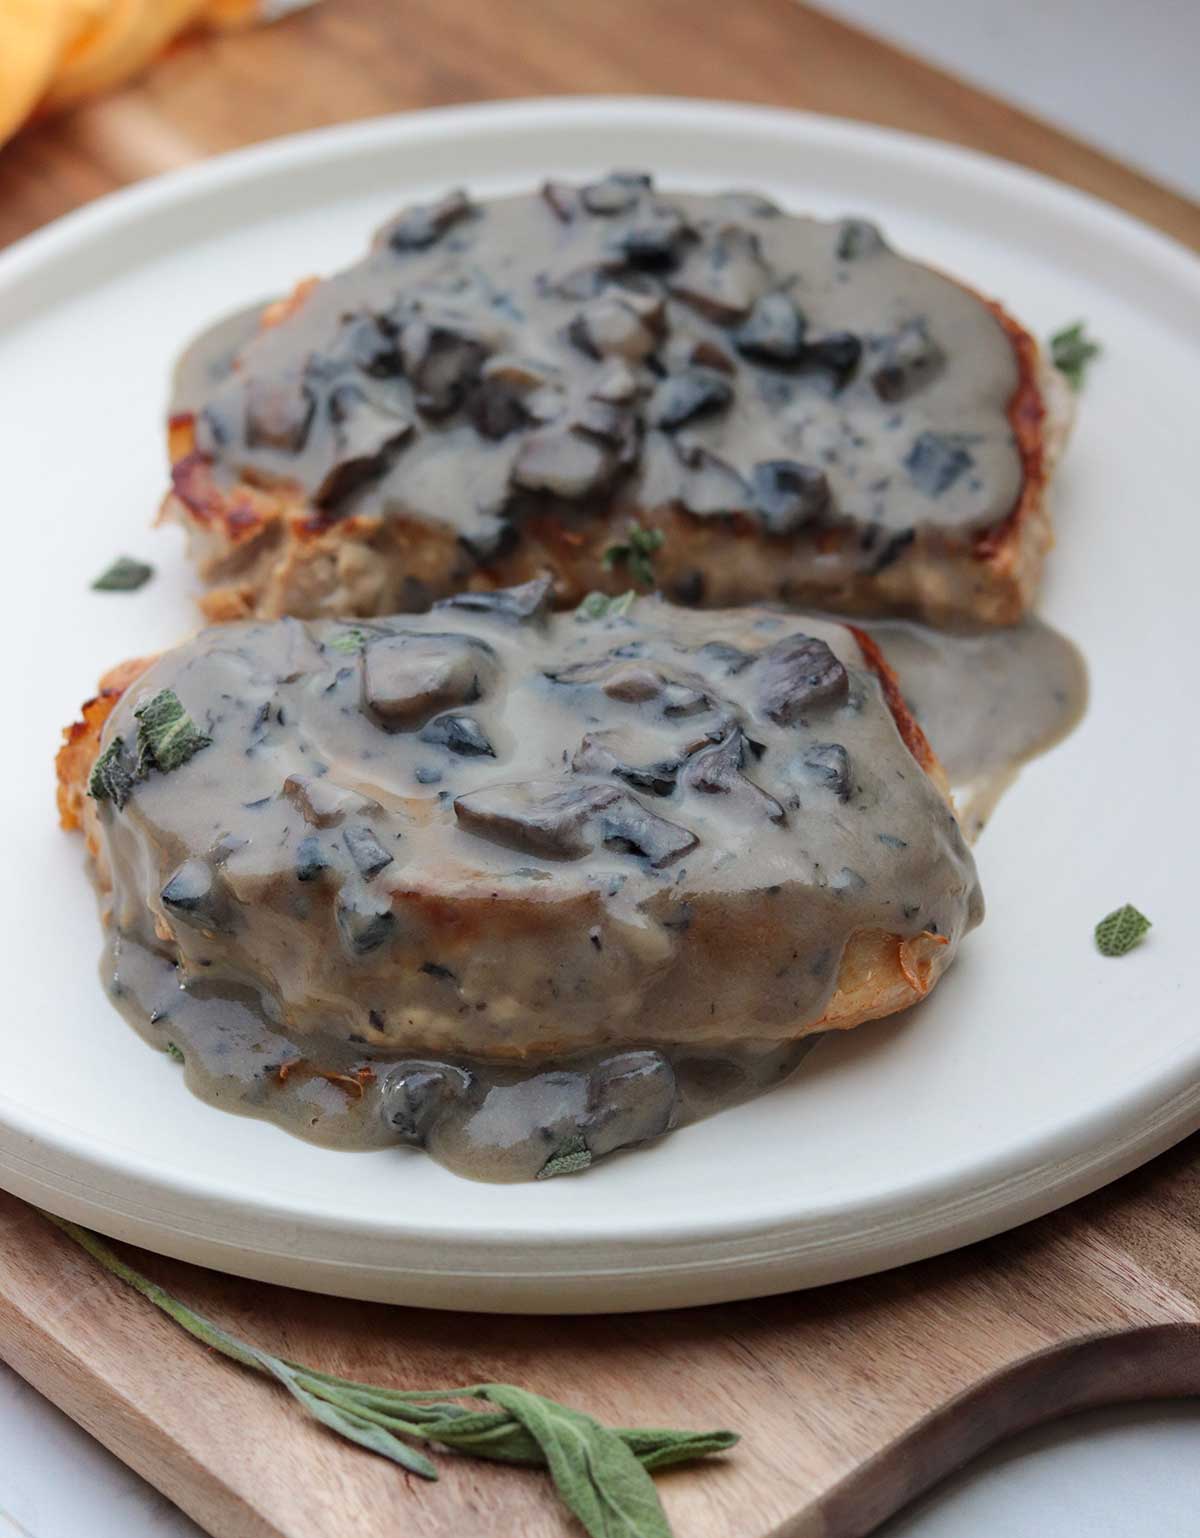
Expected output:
(988, 702)
(566, 349)
(512, 886)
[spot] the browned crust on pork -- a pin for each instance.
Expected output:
(268, 551)
(879, 973)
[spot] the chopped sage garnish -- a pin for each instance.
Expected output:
(637, 553)
(348, 641)
(125, 575)
(167, 735)
(1120, 930)
(573, 1156)
(601, 1472)
(1073, 352)
(601, 606)
(111, 778)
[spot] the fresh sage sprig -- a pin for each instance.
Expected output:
(601, 1473)
(1073, 352)
(636, 552)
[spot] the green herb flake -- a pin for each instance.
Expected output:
(125, 575)
(167, 735)
(1073, 352)
(637, 553)
(573, 1156)
(348, 641)
(602, 1473)
(111, 778)
(601, 606)
(1120, 930)
(174, 1053)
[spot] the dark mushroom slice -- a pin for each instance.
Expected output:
(773, 331)
(828, 763)
(222, 420)
(601, 753)
(365, 922)
(858, 238)
(538, 817)
(365, 342)
(322, 802)
(416, 1094)
(609, 423)
(680, 397)
(937, 460)
(458, 734)
(191, 894)
(531, 600)
(618, 384)
(709, 487)
(626, 825)
(797, 674)
(421, 226)
(836, 356)
(731, 659)
(911, 360)
(366, 435)
(655, 240)
(608, 327)
(632, 1098)
(561, 199)
(789, 495)
(717, 771)
(279, 412)
(442, 364)
(496, 408)
(564, 463)
(311, 858)
(723, 276)
(366, 851)
(682, 353)
(410, 676)
(615, 193)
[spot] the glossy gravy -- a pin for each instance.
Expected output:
(515, 887)
(486, 361)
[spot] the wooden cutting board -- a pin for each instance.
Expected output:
(852, 1399)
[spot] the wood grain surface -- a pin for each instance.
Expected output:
(348, 59)
(852, 1399)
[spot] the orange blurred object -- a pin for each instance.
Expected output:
(55, 53)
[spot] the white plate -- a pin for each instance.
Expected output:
(1038, 1070)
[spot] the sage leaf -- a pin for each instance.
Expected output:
(348, 641)
(125, 575)
(573, 1156)
(167, 735)
(659, 1449)
(601, 606)
(111, 778)
(637, 552)
(1122, 929)
(354, 1427)
(595, 1473)
(1073, 352)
